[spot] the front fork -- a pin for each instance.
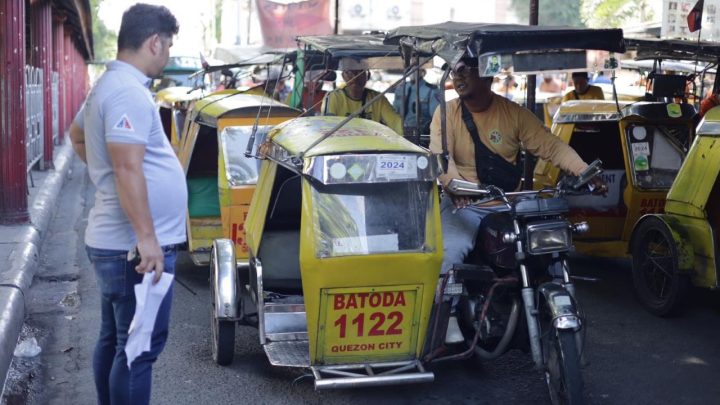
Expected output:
(560, 300)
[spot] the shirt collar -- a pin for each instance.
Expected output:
(126, 67)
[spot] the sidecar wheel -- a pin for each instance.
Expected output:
(658, 282)
(562, 367)
(223, 340)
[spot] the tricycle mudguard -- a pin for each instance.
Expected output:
(685, 251)
(225, 276)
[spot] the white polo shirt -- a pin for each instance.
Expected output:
(120, 109)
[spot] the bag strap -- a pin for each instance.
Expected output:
(480, 148)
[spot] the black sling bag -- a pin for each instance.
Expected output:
(491, 168)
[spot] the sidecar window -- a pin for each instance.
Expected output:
(656, 154)
(360, 219)
(239, 169)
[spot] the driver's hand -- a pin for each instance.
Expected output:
(460, 201)
(598, 186)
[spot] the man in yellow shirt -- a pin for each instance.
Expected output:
(504, 128)
(583, 90)
(354, 95)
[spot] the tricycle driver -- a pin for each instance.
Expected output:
(485, 133)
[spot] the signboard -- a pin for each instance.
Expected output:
(675, 24)
(282, 21)
(368, 15)
(378, 323)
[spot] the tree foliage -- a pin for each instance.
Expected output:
(551, 12)
(104, 39)
(615, 13)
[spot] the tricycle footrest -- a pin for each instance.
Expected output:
(370, 374)
(294, 353)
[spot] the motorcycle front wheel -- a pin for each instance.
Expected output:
(562, 366)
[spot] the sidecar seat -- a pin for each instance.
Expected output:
(279, 250)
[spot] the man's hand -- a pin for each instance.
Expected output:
(151, 258)
(598, 186)
(460, 201)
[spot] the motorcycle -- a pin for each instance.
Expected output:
(515, 289)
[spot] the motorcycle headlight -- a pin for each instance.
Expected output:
(548, 237)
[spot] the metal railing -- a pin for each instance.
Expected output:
(55, 108)
(34, 115)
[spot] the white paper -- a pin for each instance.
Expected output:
(148, 297)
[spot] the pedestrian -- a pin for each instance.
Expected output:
(140, 198)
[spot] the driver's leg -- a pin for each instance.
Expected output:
(459, 228)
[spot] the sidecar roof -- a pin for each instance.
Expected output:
(674, 49)
(454, 40)
(357, 136)
(328, 50)
(237, 105)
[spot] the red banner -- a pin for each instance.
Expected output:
(282, 21)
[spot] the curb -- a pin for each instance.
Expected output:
(15, 281)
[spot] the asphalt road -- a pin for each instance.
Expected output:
(633, 356)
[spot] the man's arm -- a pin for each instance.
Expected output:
(77, 138)
(390, 116)
(127, 163)
(539, 141)
(436, 147)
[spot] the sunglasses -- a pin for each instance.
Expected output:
(462, 71)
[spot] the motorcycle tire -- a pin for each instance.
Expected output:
(563, 374)
(659, 285)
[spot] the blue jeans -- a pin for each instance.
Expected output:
(460, 230)
(116, 277)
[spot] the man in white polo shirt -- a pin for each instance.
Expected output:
(140, 200)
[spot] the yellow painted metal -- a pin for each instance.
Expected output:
(255, 222)
(202, 232)
(219, 111)
(689, 194)
(167, 97)
(358, 322)
(364, 272)
(358, 135)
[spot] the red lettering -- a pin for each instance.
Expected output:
(360, 322)
(400, 299)
(341, 322)
(643, 203)
(393, 329)
(234, 233)
(388, 299)
(339, 301)
(362, 299)
(351, 302)
(375, 300)
(379, 319)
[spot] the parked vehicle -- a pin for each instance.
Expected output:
(221, 179)
(675, 247)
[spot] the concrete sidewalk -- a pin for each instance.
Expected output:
(19, 249)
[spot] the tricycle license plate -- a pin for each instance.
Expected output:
(396, 167)
(376, 323)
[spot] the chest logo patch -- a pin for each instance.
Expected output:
(124, 124)
(495, 137)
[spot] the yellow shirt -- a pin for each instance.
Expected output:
(592, 93)
(505, 128)
(338, 103)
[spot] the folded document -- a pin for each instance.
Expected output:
(148, 297)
